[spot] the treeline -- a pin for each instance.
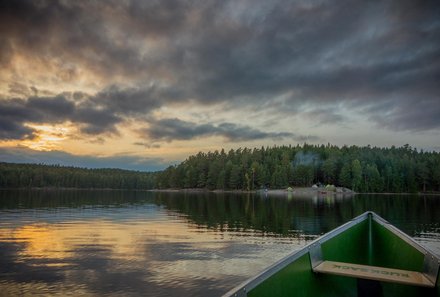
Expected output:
(363, 169)
(43, 176)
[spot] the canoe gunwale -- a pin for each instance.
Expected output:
(399, 233)
(242, 289)
(431, 262)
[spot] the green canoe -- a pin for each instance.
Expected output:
(364, 257)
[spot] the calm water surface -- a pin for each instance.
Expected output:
(119, 243)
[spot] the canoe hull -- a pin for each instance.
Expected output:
(366, 240)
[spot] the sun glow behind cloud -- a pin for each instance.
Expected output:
(47, 137)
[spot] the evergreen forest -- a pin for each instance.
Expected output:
(55, 176)
(362, 169)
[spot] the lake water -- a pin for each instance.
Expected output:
(122, 243)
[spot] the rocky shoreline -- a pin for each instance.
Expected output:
(273, 192)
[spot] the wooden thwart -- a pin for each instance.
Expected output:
(374, 273)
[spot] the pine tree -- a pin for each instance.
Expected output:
(345, 178)
(356, 172)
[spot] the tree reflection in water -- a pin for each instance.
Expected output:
(114, 243)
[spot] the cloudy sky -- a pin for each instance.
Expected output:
(144, 84)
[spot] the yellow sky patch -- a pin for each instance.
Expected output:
(47, 137)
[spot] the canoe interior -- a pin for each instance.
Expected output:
(367, 242)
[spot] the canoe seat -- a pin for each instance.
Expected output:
(374, 273)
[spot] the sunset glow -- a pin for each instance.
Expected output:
(47, 137)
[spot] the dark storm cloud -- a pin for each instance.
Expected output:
(95, 114)
(54, 29)
(412, 116)
(16, 113)
(176, 129)
(324, 116)
(133, 100)
(96, 121)
(13, 130)
(13, 116)
(102, 112)
(50, 108)
(356, 55)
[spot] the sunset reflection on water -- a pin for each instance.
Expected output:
(126, 250)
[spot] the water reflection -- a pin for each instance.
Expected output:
(112, 243)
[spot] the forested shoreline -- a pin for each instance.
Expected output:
(14, 175)
(362, 169)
